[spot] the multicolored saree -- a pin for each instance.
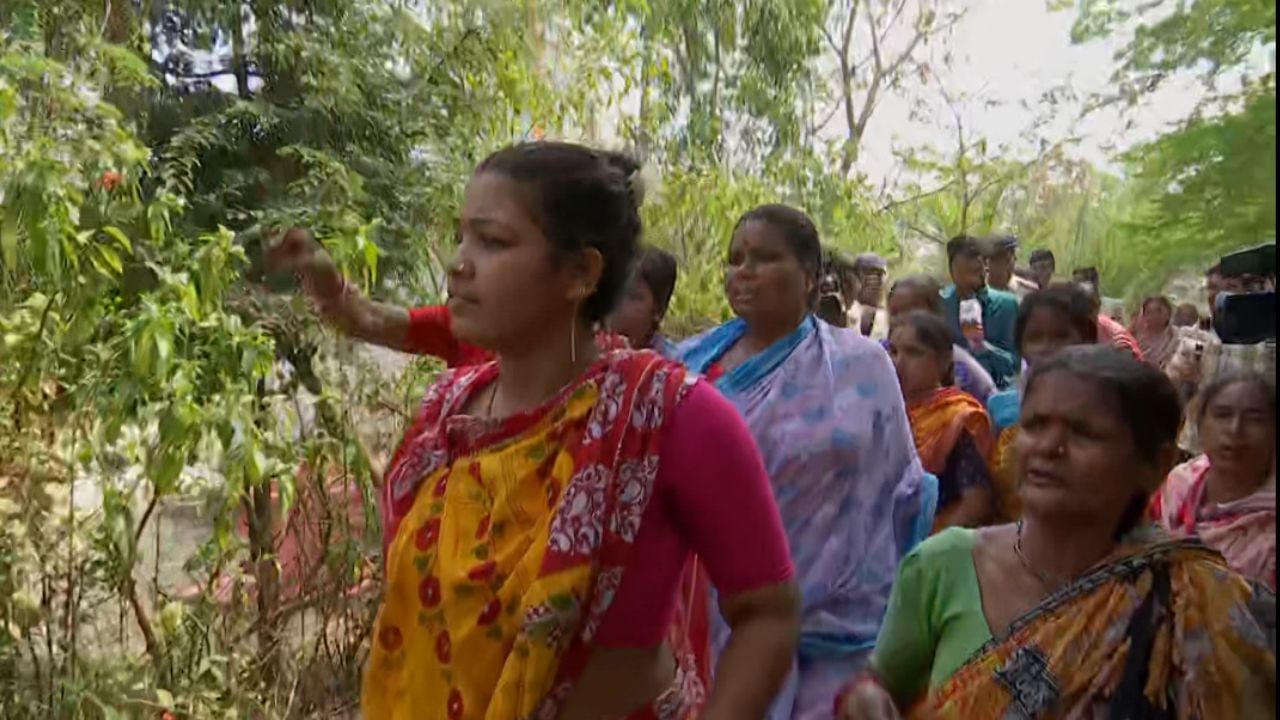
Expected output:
(1161, 630)
(938, 423)
(824, 406)
(507, 539)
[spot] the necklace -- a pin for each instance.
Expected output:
(1044, 578)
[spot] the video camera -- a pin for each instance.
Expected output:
(1245, 312)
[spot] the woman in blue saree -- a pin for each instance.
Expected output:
(824, 406)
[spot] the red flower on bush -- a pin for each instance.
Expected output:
(490, 613)
(455, 708)
(110, 180)
(429, 591)
(444, 647)
(390, 638)
(427, 535)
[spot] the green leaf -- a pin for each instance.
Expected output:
(111, 258)
(118, 235)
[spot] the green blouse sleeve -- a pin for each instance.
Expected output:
(904, 652)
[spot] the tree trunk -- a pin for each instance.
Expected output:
(119, 22)
(239, 60)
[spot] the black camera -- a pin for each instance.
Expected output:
(1245, 312)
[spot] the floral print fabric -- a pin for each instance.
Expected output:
(508, 540)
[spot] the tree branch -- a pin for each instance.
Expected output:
(919, 196)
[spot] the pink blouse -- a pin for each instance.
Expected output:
(712, 497)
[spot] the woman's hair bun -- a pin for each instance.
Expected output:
(631, 170)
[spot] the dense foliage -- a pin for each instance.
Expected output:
(146, 359)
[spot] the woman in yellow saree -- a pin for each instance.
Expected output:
(1079, 610)
(541, 508)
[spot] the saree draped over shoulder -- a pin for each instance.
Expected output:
(507, 540)
(1163, 629)
(1244, 531)
(939, 422)
(824, 406)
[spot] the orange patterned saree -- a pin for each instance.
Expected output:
(1162, 630)
(938, 422)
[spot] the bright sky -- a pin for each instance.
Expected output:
(1011, 51)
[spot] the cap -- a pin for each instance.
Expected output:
(870, 261)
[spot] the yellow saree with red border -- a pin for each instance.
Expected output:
(506, 541)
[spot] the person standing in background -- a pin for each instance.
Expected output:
(1155, 333)
(867, 314)
(1002, 255)
(1043, 266)
(951, 428)
(922, 292)
(983, 317)
(1227, 496)
(825, 408)
(641, 310)
(1109, 331)
(1186, 316)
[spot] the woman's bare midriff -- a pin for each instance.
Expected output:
(618, 681)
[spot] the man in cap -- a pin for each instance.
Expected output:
(867, 314)
(1001, 252)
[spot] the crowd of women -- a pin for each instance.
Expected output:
(978, 516)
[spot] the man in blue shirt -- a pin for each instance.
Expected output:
(996, 349)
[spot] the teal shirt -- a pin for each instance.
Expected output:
(934, 622)
(999, 322)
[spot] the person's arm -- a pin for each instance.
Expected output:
(903, 658)
(337, 301)
(997, 352)
(743, 548)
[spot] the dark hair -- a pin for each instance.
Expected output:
(1188, 309)
(1042, 255)
(933, 332)
(1158, 299)
(580, 198)
(657, 270)
(1260, 382)
(1087, 274)
(962, 245)
(926, 285)
(798, 231)
(1148, 402)
(1063, 298)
